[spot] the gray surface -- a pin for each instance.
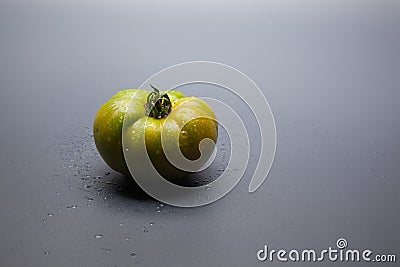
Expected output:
(329, 70)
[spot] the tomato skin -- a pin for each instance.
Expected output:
(194, 115)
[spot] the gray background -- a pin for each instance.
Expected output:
(329, 69)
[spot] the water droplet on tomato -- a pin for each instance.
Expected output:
(184, 134)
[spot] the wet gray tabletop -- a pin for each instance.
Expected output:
(330, 72)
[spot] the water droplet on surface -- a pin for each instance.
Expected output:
(145, 230)
(127, 239)
(133, 254)
(44, 221)
(151, 223)
(107, 173)
(98, 236)
(50, 214)
(46, 253)
(108, 250)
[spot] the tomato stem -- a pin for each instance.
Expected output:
(158, 106)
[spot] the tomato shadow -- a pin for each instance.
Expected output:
(124, 186)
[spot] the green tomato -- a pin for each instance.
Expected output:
(146, 116)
